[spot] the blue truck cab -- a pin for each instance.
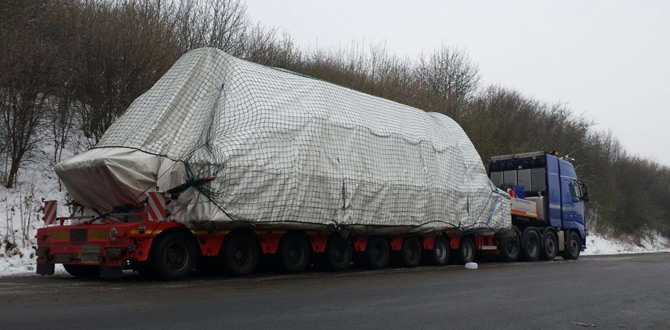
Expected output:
(551, 183)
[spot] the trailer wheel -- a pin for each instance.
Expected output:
(377, 253)
(531, 248)
(240, 254)
(294, 253)
(572, 250)
(439, 255)
(83, 271)
(410, 252)
(549, 245)
(466, 252)
(339, 252)
(510, 248)
(174, 256)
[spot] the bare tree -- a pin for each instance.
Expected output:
(227, 21)
(450, 78)
(127, 47)
(61, 120)
(84, 62)
(26, 63)
(188, 27)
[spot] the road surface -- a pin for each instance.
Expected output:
(617, 292)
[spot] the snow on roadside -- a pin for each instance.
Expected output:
(597, 244)
(20, 209)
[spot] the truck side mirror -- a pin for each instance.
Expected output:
(585, 192)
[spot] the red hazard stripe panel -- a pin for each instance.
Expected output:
(156, 206)
(524, 213)
(50, 208)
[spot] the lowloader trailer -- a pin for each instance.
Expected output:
(547, 215)
(224, 162)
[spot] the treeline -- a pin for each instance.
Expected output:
(77, 65)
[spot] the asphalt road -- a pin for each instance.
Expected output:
(620, 292)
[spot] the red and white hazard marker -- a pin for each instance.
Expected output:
(156, 206)
(50, 208)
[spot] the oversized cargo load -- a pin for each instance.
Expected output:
(288, 151)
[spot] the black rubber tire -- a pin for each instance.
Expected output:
(572, 248)
(83, 271)
(173, 256)
(466, 251)
(294, 253)
(549, 245)
(439, 255)
(239, 254)
(531, 246)
(410, 254)
(510, 248)
(339, 253)
(377, 253)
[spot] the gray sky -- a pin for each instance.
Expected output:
(607, 60)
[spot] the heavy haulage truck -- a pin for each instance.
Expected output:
(223, 163)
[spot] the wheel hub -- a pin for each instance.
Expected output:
(294, 254)
(175, 256)
(440, 251)
(241, 255)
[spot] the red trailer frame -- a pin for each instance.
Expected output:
(109, 246)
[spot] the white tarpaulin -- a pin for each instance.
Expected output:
(287, 150)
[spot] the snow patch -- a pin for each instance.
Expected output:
(597, 244)
(21, 208)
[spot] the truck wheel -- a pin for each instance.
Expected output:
(531, 248)
(572, 249)
(439, 255)
(377, 253)
(510, 248)
(549, 245)
(466, 252)
(174, 256)
(82, 271)
(410, 253)
(240, 254)
(338, 252)
(294, 253)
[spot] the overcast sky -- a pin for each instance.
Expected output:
(607, 60)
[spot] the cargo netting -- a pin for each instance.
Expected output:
(286, 148)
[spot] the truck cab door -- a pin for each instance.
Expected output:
(572, 199)
(572, 203)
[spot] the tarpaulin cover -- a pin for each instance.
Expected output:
(287, 151)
